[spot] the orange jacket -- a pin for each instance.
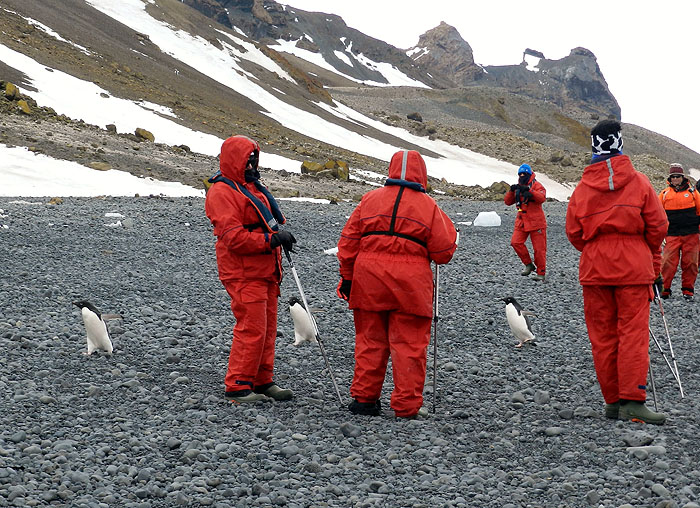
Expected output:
(616, 220)
(242, 245)
(530, 215)
(390, 239)
(682, 209)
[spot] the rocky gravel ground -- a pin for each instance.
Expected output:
(148, 427)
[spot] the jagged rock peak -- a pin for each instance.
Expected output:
(445, 36)
(443, 50)
(582, 52)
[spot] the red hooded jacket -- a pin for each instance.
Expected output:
(390, 239)
(242, 248)
(530, 216)
(616, 220)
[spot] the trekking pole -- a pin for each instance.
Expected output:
(663, 354)
(436, 317)
(313, 321)
(653, 385)
(668, 336)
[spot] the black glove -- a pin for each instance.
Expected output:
(527, 195)
(513, 187)
(343, 289)
(283, 238)
(658, 286)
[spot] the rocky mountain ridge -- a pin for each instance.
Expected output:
(497, 114)
(441, 59)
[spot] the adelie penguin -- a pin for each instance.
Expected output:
(95, 327)
(304, 330)
(518, 322)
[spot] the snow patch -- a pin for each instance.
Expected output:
(342, 56)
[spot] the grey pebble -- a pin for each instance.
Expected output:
(149, 426)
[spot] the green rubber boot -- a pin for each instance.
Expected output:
(612, 411)
(245, 396)
(275, 392)
(529, 268)
(637, 411)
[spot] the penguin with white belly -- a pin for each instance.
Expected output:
(304, 329)
(95, 327)
(518, 321)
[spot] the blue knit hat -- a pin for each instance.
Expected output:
(525, 168)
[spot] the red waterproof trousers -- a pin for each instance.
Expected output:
(406, 337)
(538, 237)
(252, 357)
(684, 248)
(617, 318)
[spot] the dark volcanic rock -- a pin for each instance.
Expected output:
(443, 51)
(572, 82)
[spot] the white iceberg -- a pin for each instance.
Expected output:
(487, 219)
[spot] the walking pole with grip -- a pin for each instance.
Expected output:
(663, 354)
(653, 385)
(436, 317)
(313, 321)
(670, 346)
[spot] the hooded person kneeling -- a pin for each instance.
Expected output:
(385, 250)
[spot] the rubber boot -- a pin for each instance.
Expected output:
(274, 392)
(637, 411)
(612, 411)
(529, 268)
(366, 408)
(245, 396)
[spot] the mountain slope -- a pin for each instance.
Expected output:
(288, 83)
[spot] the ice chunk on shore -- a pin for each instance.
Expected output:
(487, 219)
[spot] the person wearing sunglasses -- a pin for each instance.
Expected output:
(682, 205)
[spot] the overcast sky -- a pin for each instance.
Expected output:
(647, 50)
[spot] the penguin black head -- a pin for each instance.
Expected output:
(511, 300)
(84, 303)
(294, 300)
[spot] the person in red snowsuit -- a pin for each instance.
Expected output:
(616, 221)
(245, 217)
(682, 205)
(385, 250)
(529, 194)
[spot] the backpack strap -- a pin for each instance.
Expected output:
(403, 184)
(269, 217)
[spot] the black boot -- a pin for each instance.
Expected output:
(366, 408)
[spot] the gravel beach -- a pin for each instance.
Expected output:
(148, 426)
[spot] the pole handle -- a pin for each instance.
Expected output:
(289, 257)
